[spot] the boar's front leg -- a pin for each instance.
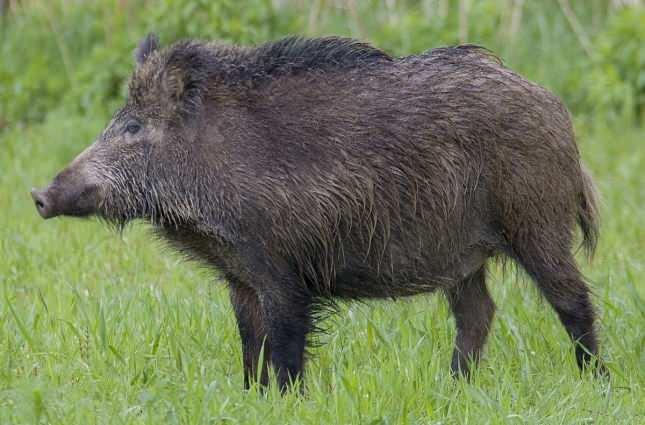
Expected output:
(288, 319)
(250, 323)
(285, 312)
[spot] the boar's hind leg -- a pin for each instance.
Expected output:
(473, 309)
(561, 283)
(252, 333)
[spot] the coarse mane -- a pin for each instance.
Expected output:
(188, 69)
(292, 55)
(462, 50)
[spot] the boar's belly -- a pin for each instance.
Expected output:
(361, 280)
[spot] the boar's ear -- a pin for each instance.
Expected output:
(185, 77)
(146, 47)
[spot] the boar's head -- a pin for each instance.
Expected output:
(139, 165)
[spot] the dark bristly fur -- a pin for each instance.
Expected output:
(313, 170)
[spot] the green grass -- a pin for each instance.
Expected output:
(101, 328)
(97, 327)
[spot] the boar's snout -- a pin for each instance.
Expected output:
(43, 204)
(71, 193)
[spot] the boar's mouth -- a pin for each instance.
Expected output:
(56, 200)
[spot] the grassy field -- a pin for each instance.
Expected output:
(97, 327)
(106, 328)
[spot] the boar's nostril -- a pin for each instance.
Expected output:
(41, 202)
(37, 196)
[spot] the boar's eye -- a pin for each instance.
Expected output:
(132, 127)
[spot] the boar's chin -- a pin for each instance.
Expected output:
(119, 212)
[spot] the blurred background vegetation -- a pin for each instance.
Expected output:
(102, 329)
(72, 57)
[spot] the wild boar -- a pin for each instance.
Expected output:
(314, 170)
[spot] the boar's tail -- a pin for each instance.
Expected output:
(588, 217)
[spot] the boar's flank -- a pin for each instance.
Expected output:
(313, 170)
